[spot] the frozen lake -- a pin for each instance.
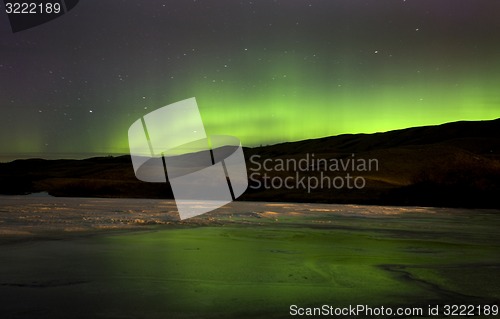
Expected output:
(133, 258)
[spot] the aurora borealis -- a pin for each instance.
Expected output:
(264, 71)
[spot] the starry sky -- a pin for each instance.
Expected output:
(266, 71)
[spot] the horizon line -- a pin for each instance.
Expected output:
(13, 156)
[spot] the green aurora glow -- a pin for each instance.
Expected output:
(293, 104)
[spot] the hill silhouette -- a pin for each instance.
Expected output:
(455, 164)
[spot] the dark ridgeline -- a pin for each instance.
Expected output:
(454, 164)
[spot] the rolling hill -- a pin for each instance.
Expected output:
(455, 164)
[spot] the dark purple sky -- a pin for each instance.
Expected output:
(265, 71)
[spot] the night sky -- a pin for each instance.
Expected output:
(265, 71)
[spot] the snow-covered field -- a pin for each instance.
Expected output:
(41, 213)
